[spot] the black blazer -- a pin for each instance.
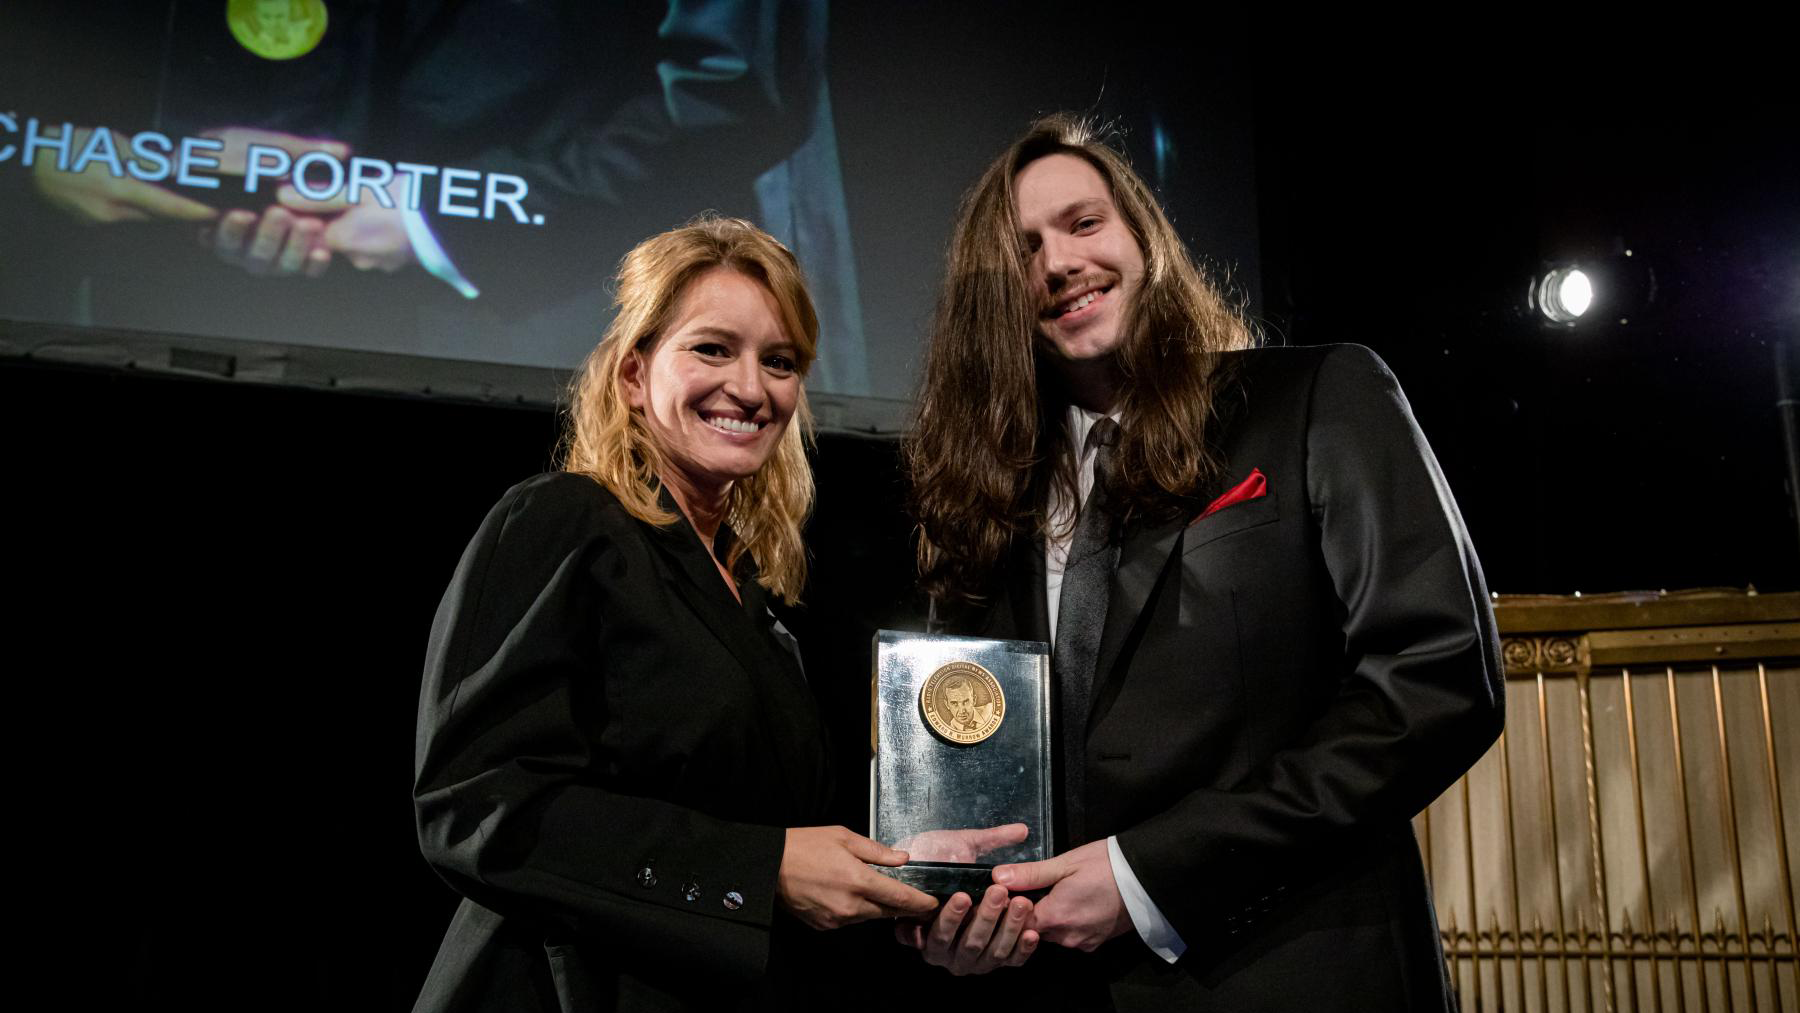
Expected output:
(1283, 684)
(608, 749)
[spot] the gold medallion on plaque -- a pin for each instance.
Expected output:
(962, 703)
(277, 29)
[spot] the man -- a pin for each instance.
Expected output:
(959, 700)
(1272, 640)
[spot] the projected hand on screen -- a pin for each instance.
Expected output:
(276, 240)
(238, 141)
(96, 197)
(370, 236)
(295, 235)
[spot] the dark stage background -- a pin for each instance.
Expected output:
(219, 592)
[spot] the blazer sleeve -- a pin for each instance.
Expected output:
(509, 807)
(1420, 696)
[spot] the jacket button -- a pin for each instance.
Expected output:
(690, 891)
(646, 877)
(733, 900)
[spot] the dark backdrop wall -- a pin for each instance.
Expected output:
(1409, 193)
(218, 598)
(219, 593)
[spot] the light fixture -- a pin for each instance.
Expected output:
(1592, 290)
(1563, 294)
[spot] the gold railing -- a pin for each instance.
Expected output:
(1628, 844)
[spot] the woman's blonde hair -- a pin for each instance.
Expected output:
(605, 439)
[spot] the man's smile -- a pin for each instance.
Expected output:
(1078, 298)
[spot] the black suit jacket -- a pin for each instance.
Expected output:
(1282, 685)
(609, 746)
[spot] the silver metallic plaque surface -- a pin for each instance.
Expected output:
(928, 781)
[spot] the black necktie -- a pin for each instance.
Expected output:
(1080, 619)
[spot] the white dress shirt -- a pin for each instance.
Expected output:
(1146, 917)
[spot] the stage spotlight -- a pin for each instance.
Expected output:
(1563, 294)
(1592, 291)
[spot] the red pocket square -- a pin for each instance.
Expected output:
(1254, 487)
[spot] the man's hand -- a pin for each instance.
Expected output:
(825, 880)
(961, 845)
(994, 937)
(1083, 908)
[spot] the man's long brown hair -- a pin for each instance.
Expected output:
(990, 441)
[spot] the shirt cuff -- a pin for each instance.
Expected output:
(430, 253)
(1152, 927)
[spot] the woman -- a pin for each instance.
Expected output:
(614, 729)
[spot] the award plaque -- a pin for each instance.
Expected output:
(961, 736)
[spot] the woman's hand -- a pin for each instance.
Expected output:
(825, 879)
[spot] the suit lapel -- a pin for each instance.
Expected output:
(700, 585)
(1143, 557)
(1144, 560)
(784, 703)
